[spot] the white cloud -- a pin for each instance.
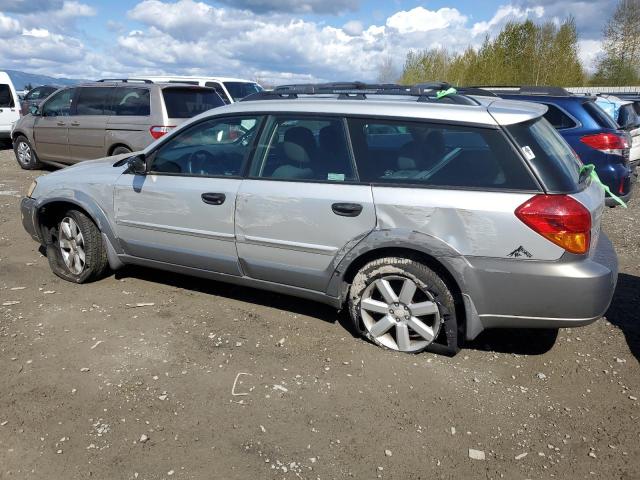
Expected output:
(36, 32)
(504, 14)
(353, 28)
(420, 19)
(8, 26)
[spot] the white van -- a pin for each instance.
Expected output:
(230, 90)
(9, 106)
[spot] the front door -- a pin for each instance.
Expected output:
(51, 127)
(88, 124)
(182, 211)
(301, 205)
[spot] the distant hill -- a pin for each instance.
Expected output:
(20, 79)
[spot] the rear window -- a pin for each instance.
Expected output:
(189, 102)
(239, 90)
(399, 152)
(6, 99)
(600, 116)
(548, 154)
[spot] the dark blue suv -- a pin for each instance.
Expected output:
(592, 134)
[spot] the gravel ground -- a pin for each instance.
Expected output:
(132, 377)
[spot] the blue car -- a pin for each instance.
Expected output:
(587, 128)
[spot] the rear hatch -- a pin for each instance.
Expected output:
(183, 102)
(558, 168)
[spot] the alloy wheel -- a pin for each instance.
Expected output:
(24, 153)
(72, 245)
(400, 315)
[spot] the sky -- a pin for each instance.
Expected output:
(275, 41)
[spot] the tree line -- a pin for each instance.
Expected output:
(528, 53)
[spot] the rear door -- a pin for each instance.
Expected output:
(182, 211)
(51, 127)
(132, 117)
(9, 109)
(301, 204)
(88, 124)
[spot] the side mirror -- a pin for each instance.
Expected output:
(34, 110)
(137, 164)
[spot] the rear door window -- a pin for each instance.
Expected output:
(425, 154)
(6, 99)
(304, 148)
(557, 118)
(548, 153)
(94, 101)
(189, 102)
(132, 101)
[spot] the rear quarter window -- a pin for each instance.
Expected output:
(599, 115)
(433, 155)
(558, 118)
(548, 153)
(189, 102)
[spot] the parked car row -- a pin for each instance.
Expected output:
(429, 215)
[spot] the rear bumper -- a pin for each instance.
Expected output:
(28, 211)
(574, 291)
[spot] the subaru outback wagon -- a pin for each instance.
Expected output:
(430, 216)
(103, 118)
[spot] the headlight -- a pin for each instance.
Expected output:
(32, 187)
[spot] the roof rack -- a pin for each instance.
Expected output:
(525, 90)
(125, 80)
(477, 91)
(425, 92)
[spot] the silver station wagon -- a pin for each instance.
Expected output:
(429, 214)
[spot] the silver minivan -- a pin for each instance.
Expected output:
(105, 118)
(429, 215)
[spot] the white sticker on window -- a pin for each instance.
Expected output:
(528, 153)
(339, 177)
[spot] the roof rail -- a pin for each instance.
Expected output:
(477, 91)
(125, 80)
(425, 92)
(525, 90)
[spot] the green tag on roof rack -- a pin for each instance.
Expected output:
(590, 170)
(444, 93)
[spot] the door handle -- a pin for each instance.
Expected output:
(347, 209)
(75, 124)
(213, 198)
(60, 124)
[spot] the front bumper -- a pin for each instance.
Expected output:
(571, 292)
(29, 212)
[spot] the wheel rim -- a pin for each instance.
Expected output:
(24, 153)
(400, 315)
(72, 245)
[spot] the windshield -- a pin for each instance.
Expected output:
(548, 153)
(188, 102)
(239, 90)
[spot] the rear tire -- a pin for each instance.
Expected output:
(76, 252)
(120, 150)
(25, 155)
(402, 305)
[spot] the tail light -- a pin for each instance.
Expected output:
(159, 130)
(607, 142)
(560, 219)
